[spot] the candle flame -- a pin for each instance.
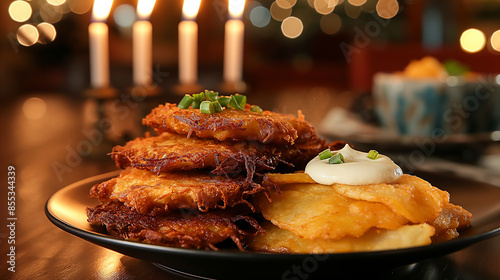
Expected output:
(101, 9)
(236, 8)
(145, 8)
(190, 8)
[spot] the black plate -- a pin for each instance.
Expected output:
(66, 209)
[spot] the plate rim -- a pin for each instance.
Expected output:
(111, 242)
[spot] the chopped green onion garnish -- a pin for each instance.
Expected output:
(256, 108)
(185, 102)
(336, 159)
(325, 154)
(224, 101)
(237, 101)
(198, 98)
(372, 154)
(196, 104)
(217, 106)
(211, 95)
(241, 99)
(207, 107)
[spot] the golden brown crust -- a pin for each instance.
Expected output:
(230, 124)
(452, 219)
(170, 152)
(148, 193)
(186, 229)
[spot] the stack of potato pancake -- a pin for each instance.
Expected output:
(191, 184)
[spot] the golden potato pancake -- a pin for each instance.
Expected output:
(148, 193)
(170, 152)
(317, 211)
(279, 240)
(231, 124)
(186, 229)
(410, 197)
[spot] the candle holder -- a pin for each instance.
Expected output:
(181, 89)
(233, 87)
(101, 93)
(98, 125)
(145, 91)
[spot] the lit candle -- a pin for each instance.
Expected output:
(188, 43)
(99, 45)
(233, 43)
(143, 44)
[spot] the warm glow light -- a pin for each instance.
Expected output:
(80, 6)
(101, 9)
(145, 7)
(286, 4)
(279, 13)
(495, 40)
(330, 24)
(20, 11)
(34, 108)
(387, 8)
(292, 27)
(47, 33)
(236, 8)
(27, 35)
(352, 11)
(325, 7)
(190, 9)
(56, 2)
(51, 13)
(356, 2)
(472, 40)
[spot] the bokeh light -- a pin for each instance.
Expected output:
(20, 11)
(292, 27)
(56, 2)
(286, 4)
(330, 24)
(47, 33)
(387, 8)
(357, 2)
(279, 13)
(34, 108)
(260, 16)
(325, 7)
(80, 6)
(352, 11)
(27, 35)
(472, 40)
(124, 15)
(495, 40)
(52, 14)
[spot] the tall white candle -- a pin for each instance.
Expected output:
(233, 43)
(142, 37)
(188, 43)
(99, 44)
(142, 52)
(99, 55)
(188, 52)
(233, 50)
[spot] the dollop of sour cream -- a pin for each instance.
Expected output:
(357, 169)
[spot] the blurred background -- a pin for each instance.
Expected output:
(312, 55)
(337, 44)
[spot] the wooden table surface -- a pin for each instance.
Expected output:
(57, 147)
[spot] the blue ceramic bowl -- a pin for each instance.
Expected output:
(434, 107)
